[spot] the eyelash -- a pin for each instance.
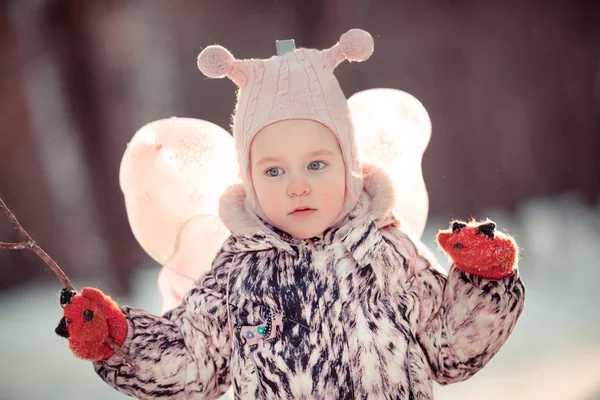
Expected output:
(312, 162)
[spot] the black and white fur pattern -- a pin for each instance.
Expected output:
(366, 314)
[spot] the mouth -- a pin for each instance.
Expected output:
(302, 211)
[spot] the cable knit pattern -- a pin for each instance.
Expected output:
(282, 97)
(366, 311)
(255, 91)
(317, 99)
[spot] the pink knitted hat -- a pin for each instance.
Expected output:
(297, 85)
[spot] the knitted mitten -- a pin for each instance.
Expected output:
(90, 319)
(477, 248)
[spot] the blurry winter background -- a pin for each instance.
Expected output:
(512, 88)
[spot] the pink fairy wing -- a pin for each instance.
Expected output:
(393, 130)
(172, 174)
(198, 241)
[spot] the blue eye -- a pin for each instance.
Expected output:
(317, 165)
(273, 171)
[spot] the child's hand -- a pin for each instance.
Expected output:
(476, 247)
(91, 321)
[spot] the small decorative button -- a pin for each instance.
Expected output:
(261, 330)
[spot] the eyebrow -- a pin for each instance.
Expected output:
(321, 152)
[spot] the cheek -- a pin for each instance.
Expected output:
(270, 196)
(332, 193)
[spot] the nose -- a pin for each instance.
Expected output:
(298, 187)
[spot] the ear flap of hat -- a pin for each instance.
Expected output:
(354, 45)
(217, 62)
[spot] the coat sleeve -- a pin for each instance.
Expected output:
(460, 320)
(182, 355)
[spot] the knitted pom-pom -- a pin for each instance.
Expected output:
(357, 45)
(215, 61)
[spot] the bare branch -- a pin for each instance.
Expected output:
(13, 246)
(111, 342)
(30, 244)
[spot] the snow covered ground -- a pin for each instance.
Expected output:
(554, 352)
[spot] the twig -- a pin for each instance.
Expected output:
(30, 244)
(111, 342)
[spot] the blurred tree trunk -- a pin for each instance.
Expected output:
(94, 100)
(22, 185)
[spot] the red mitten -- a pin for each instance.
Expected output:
(476, 247)
(90, 319)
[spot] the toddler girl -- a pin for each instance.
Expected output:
(318, 292)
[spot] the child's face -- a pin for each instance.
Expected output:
(298, 163)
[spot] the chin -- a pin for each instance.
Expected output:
(306, 233)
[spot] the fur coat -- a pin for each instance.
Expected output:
(361, 311)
